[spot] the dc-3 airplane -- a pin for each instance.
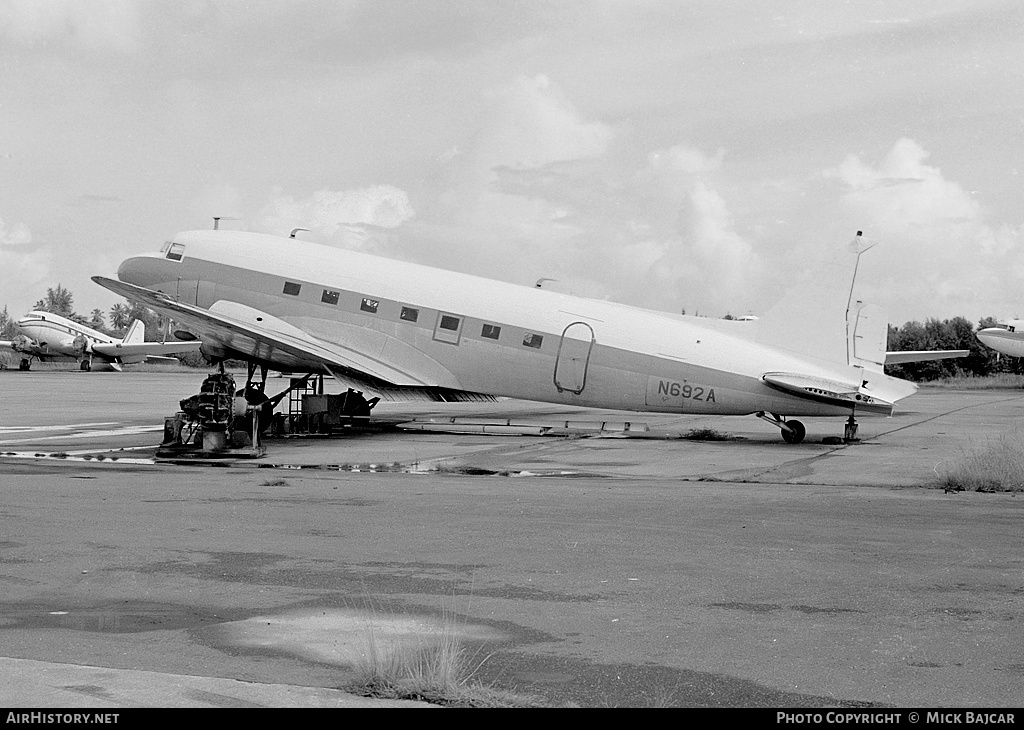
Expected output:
(46, 336)
(1008, 338)
(402, 331)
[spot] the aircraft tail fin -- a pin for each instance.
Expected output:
(136, 333)
(819, 319)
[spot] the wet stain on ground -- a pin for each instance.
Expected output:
(574, 682)
(770, 607)
(1017, 669)
(964, 614)
(116, 617)
(378, 578)
(90, 690)
(302, 502)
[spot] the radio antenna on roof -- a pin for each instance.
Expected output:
(218, 218)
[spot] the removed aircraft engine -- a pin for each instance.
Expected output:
(222, 421)
(218, 420)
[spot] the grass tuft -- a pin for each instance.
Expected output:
(439, 672)
(997, 466)
(706, 434)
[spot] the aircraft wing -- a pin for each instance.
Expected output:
(121, 349)
(236, 328)
(902, 356)
(25, 346)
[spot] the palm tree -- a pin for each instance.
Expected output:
(59, 301)
(96, 319)
(119, 317)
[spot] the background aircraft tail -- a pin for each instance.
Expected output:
(136, 333)
(819, 318)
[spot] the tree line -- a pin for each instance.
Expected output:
(61, 301)
(949, 334)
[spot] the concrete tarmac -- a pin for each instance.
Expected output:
(591, 570)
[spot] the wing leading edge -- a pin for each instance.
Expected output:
(242, 331)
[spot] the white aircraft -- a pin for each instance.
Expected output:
(1008, 338)
(46, 336)
(400, 331)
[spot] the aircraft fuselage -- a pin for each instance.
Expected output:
(49, 336)
(417, 325)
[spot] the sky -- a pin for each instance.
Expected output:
(691, 155)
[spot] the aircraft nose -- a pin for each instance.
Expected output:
(138, 270)
(988, 335)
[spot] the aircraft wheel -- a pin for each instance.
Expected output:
(86, 366)
(24, 364)
(796, 434)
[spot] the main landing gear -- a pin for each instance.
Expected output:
(25, 364)
(793, 432)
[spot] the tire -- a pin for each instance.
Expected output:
(796, 433)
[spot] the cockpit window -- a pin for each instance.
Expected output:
(176, 251)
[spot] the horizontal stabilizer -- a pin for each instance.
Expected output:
(147, 349)
(855, 395)
(901, 356)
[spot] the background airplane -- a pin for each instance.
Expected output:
(46, 336)
(1008, 338)
(399, 331)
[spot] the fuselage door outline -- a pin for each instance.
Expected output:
(573, 357)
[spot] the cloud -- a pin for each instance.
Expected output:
(24, 268)
(939, 252)
(341, 216)
(904, 192)
(16, 235)
(90, 24)
(555, 196)
(543, 191)
(531, 124)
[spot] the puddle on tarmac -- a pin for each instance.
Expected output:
(348, 636)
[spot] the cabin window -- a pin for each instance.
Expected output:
(329, 297)
(491, 331)
(369, 305)
(448, 328)
(409, 314)
(176, 251)
(449, 323)
(291, 288)
(532, 340)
